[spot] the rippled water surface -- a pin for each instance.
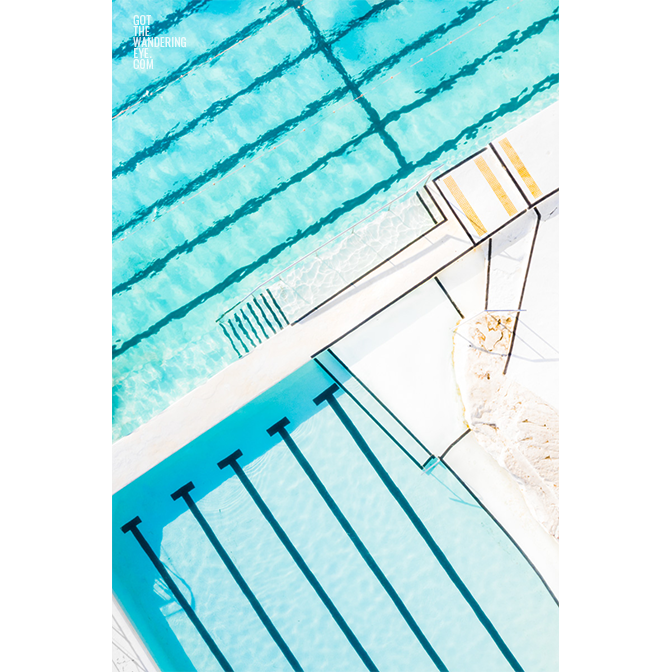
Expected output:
(500, 579)
(275, 128)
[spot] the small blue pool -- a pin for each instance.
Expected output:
(321, 545)
(278, 125)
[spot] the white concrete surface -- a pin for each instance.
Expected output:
(374, 406)
(536, 141)
(535, 357)
(128, 652)
(404, 353)
(404, 356)
(478, 193)
(494, 487)
(276, 358)
(466, 279)
(508, 265)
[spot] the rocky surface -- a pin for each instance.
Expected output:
(511, 423)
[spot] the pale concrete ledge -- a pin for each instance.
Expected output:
(128, 652)
(392, 283)
(284, 353)
(281, 355)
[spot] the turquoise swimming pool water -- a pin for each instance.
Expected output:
(505, 588)
(276, 127)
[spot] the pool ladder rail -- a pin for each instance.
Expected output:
(252, 321)
(259, 316)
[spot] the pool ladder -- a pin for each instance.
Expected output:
(252, 322)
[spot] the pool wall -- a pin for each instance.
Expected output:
(477, 550)
(399, 282)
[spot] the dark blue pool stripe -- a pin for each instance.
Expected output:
(231, 461)
(159, 27)
(132, 526)
(239, 274)
(464, 15)
(308, 20)
(328, 396)
(254, 204)
(280, 428)
(380, 425)
(237, 335)
(221, 168)
(277, 306)
(271, 311)
(248, 305)
(183, 493)
(269, 137)
(233, 345)
(263, 312)
(248, 208)
(220, 106)
(144, 95)
(514, 39)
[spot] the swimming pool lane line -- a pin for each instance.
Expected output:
(325, 48)
(277, 71)
(251, 206)
(431, 457)
(158, 27)
(380, 402)
(172, 199)
(280, 428)
(185, 69)
(238, 275)
(352, 396)
(328, 396)
(132, 526)
(183, 493)
(231, 461)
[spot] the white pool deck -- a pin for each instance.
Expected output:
(394, 330)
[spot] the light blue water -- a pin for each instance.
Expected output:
(506, 587)
(205, 209)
